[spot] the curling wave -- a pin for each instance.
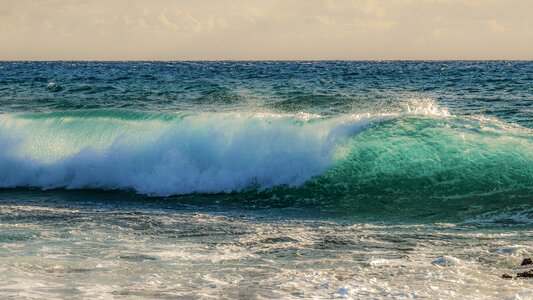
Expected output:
(422, 151)
(162, 154)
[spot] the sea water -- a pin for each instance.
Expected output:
(247, 180)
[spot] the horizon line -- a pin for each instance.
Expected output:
(265, 60)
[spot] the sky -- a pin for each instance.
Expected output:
(265, 30)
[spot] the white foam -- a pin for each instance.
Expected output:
(425, 107)
(203, 153)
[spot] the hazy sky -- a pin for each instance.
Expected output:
(275, 29)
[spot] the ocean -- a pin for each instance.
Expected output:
(266, 180)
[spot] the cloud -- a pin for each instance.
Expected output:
(495, 26)
(254, 29)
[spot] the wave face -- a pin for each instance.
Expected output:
(423, 152)
(452, 163)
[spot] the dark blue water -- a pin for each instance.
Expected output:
(502, 89)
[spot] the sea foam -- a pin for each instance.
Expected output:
(201, 153)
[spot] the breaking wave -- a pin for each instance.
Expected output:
(422, 151)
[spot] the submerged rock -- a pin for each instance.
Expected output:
(445, 261)
(526, 274)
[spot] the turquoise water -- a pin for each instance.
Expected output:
(265, 179)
